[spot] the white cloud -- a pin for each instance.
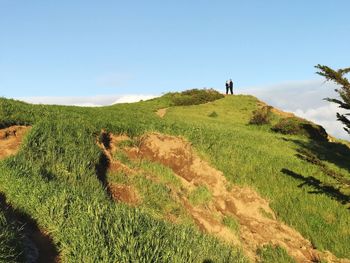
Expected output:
(133, 98)
(325, 116)
(305, 99)
(87, 104)
(93, 101)
(76, 101)
(295, 94)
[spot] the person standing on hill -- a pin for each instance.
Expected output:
(227, 86)
(231, 86)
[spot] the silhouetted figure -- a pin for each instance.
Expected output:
(231, 86)
(227, 86)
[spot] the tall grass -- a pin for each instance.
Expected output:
(271, 254)
(256, 157)
(11, 239)
(54, 180)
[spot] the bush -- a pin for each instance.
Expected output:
(194, 97)
(298, 126)
(288, 126)
(261, 116)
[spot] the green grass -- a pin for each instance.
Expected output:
(156, 184)
(164, 175)
(200, 196)
(272, 254)
(232, 223)
(254, 156)
(122, 157)
(11, 239)
(213, 114)
(53, 179)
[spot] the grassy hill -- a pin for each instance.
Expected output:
(63, 179)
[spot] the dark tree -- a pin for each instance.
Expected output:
(337, 76)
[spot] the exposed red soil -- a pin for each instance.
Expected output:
(11, 139)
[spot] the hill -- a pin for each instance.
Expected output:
(188, 177)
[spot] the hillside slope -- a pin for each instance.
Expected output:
(105, 197)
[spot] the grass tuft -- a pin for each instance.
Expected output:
(200, 196)
(274, 254)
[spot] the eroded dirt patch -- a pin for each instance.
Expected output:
(124, 193)
(11, 139)
(258, 223)
(109, 144)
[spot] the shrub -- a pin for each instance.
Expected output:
(194, 97)
(288, 126)
(261, 116)
(298, 126)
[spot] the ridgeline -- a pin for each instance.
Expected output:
(188, 177)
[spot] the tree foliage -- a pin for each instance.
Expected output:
(338, 77)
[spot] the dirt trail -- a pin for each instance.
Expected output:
(258, 223)
(11, 139)
(161, 112)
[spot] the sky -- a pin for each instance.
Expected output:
(101, 52)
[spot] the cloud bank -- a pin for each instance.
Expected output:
(304, 99)
(133, 98)
(92, 101)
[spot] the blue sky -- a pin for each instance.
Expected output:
(99, 52)
(87, 48)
